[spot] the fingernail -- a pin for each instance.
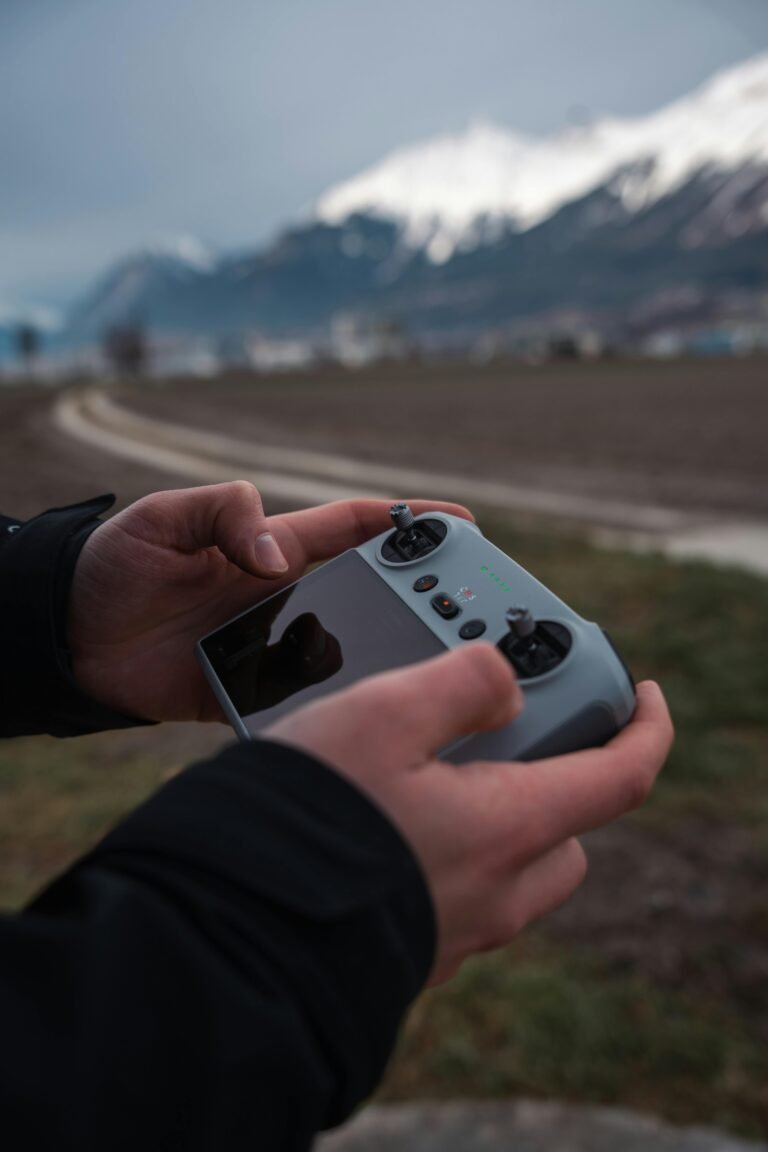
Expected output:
(268, 554)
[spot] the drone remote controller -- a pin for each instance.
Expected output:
(429, 584)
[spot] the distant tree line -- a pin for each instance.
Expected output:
(26, 339)
(125, 349)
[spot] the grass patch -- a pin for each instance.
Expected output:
(58, 797)
(534, 1022)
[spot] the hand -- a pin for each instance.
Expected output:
(495, 840)
(155, 578)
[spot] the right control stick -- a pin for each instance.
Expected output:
(520, 622)
(532, 647)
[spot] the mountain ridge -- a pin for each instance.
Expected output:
(439, 188)
(676, 219)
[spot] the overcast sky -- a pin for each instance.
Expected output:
(126, 121)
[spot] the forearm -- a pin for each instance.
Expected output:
(228, 969)
(37, 562)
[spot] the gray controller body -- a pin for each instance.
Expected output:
(581, 702)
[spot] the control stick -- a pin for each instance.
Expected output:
(402, 517)
(411, 539)
(533, 647)
(520, 622)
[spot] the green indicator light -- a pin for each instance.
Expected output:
(492, 576)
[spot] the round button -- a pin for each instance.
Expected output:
(425, 583)
(472, 629)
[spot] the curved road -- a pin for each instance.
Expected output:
(94, 417)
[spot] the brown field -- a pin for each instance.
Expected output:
(40, 468)
(689, 434)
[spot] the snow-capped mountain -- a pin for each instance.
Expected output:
(453, 191)
(625, 222)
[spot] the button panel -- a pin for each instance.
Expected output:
(445, 606)
(425, 584)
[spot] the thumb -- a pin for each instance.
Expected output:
(229, 517)
(401, 719)
(432, 704)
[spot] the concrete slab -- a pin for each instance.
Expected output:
(521, 1126)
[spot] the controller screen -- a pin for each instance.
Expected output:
(338, 624)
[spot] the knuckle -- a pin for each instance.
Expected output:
(151, 503)
(637, 788)
(516, 921)
(241, 487)
(491, 669)
(378, 705)
(495, 802)
(246, 492)
(579, 862)
(506, 929)
(151, 512)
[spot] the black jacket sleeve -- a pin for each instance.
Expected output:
(37, 562)
(227, 970)
(229, 967)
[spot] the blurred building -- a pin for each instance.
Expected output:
(359, 338)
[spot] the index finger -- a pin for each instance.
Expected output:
(568, 795)
(316, 534)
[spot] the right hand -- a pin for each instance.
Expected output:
(496, 841)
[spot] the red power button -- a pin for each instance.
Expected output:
(445, 607)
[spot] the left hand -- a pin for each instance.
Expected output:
(155, 578)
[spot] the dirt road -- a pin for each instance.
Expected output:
(728, 531)
(687, 435)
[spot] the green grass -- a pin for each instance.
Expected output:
(555, 1014)
(57, 797)
(540, 1022)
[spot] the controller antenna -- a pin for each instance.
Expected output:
(520, 622)
(402, 517)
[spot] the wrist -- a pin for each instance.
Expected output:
(39, 689)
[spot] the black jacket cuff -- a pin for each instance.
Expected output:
(311, 885)
(37, 563)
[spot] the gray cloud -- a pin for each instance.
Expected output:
(121, 123)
